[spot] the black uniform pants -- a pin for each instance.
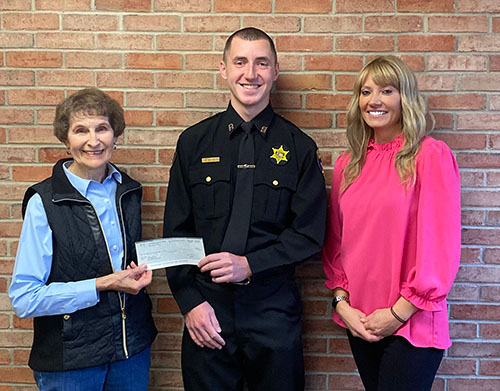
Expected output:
(394, 364)
(261, 324)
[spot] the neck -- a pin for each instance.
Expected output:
(382, 136)
(97, 175)
(249, 113)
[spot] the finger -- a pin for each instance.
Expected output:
(195, 338)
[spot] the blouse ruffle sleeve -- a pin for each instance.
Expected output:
(437, 246)
(331, 254)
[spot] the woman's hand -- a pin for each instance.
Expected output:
(352, 319)
(381, 323)
(131, 280)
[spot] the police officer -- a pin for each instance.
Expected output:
(249, 183)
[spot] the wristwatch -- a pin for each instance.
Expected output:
(337, 299)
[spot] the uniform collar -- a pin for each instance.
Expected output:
(262, 121)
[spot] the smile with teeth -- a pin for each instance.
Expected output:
(250, 86)
(377, 112)
(94, 153)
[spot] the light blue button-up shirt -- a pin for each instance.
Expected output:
(29, 294)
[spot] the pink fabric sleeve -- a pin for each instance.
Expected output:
(331, 257)
(437, 247)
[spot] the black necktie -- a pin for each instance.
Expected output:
(235, 240)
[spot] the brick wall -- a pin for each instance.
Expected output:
(159, 58)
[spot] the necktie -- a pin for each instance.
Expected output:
(235, 239)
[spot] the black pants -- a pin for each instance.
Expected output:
(261, 326)
(393, 364)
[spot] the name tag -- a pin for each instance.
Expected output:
(215, 159)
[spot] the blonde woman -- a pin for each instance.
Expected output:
(393, 244)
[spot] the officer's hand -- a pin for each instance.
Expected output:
(203, 326)
(226, 267)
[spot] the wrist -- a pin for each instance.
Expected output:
(397, 317)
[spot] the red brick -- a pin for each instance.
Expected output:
(493, 179)
(429, 82)
(152, 22)
(474, 349)
(445, 24)
(344, 382)
(124, 41)
(415, 62)
(457, 101)
(65, 40)
(315, 345)
(30, 21)
(15, 116)
(255, 6)
(203, 61)
(134, 155)
(217, 23)
(123, 5)
(38, 135)
(451, 62)
(462, 292)
(333, 63)
(93, 60)
(310, 6)
(478, 6)
(490, 293)
(451, 366)
(34, 97)
(14, 77)
(480, 198)
(333, 24)
(326, 363)
(475, 312)
(138, 117)
(30, 173)
(491, 255)
(349, 6)
(344, 82)
(180, 118)
(182, 5)
(34, 59)
(393, 23)
(478, 43)
(152, 137)
(153, 61)
(15, 5)
(206, 99)
(472, 179)
(308, 119)
(16, 375)
(197, 80)
(426, 6)
(150, 174)
(125, 79)
(167, 306)
(286, 100)
(463, 330)
(473, 217)
(51, 155)
(184, 42)
(496, 25)
(9, 229)
(494, 102)
(489, 331)
(21, 356)
(493, 218)
(473, 384)
(478, 121)
(286, 43)
(489, 367)
(63, 5)
(304, 82)
(16, 40)
(488, 237)
(273, 24)
(90, 22)
(327, 101)
(65, 78)
(365, 44)
(166, 156)
(462, 140)
(426, 43)
(155, 99)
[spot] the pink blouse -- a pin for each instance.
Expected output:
(385, 241)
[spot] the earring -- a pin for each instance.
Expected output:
(114, 146)
(68, 152)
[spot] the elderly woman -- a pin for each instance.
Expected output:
(393, 242)
(75, 270)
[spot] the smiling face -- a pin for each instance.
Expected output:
(90, 141)
(250, 70)
(381, 110)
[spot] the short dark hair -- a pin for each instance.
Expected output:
(250, 34)
(89, 101)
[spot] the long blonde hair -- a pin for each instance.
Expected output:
(385, 71)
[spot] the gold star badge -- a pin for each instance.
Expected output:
(279, 154)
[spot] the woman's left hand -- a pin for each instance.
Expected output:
(381, 323)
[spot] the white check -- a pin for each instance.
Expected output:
(167, 252)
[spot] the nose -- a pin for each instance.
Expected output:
(375, 99)
(93, 138)
(250, 71)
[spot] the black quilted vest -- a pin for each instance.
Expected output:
(94, 335)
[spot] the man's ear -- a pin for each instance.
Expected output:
(222, 69)
(276, 71)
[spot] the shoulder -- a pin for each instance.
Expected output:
(433, 149)
(342, 161)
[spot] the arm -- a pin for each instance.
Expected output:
(305, 234)
(29, 294)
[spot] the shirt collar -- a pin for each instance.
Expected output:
(82, 184)
(232, 120)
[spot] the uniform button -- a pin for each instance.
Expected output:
(115, 247)
(113, 222)
(208, 179)
(275, 183)
(66, 317)
(106, 200)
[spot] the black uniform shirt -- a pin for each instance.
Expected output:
(289, 200)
